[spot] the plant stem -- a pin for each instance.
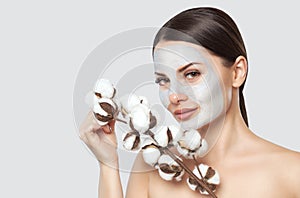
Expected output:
(120, 120)
(167, 151)
(196, 164)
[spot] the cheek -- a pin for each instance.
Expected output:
(210, 95)
(201, 93)
(164, 97)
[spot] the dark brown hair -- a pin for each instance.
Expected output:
(214, 30)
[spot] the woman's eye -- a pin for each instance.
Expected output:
(192, 75)
(162, 81)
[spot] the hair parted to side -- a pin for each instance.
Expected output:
(214, 30)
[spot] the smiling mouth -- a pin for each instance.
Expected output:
(184, 114)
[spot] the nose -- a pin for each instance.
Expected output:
(177, 98)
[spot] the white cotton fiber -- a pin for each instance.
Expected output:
(105, 88)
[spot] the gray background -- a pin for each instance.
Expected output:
(44, 43)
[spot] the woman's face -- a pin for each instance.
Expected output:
(193, 84)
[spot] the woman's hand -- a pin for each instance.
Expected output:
(101, 140)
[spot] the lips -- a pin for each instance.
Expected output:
(185, 113)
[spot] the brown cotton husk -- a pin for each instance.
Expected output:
(167, 135)
(150, 151)
(110, 110)
(169, 169)
(140, 118)
(208, 176)
(104, 88)
(98, 95)
(131, 140)
(104, 110)
(153, 121)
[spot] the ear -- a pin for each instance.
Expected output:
(240, 69)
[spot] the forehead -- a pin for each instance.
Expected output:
(174, 54)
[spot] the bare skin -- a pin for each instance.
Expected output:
(249, 166)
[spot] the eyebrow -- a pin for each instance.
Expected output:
(180, 70)
(159, 74)
(186, 66)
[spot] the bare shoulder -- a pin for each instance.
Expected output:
(138, 183)
(290, 160)
(284, 165)
(278, 154)
(282, 155)
(290, 167)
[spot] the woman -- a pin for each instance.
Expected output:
(200, 51)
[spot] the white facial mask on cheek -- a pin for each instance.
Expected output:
(207, 93)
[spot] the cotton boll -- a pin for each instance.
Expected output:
(144, 101)
(104, 88)
(178, 177)
(104, 111)
(215, 179)
(151, 155)
(165, 175)
(190, 154)
(203, 148)
(153, 121)
(165, 163)
(158, 113)
(163, 137)
(95, 99)
(140, 118)
(176, 132)
(167, 135)
(210, 177)
(128, 101)
(189, 144)
(192, 183)
(150, 151)
(131, 141)
(166, 159)
(192, 139)
(184, 151)
(169, 169)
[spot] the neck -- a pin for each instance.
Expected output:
(225, 134)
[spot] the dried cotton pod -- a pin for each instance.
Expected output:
(151, 152)
(104, 89)
(167, 135)
(144, 101)
(131, 141)
(140, 118)
(104, 111)
(153, 121)
(203, 148)
(208, 176)
(191, 144)
(128, 102)
(168, 169)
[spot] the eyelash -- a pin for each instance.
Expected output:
(163, 80)
(160, 80)
(193, 73)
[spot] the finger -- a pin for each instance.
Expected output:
(106, 129)
(108, 138)
(92, 138)
(112, 125)
(89, 132)
(83, 137)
